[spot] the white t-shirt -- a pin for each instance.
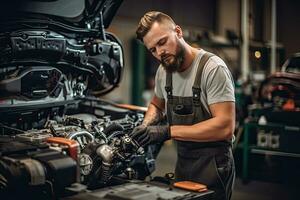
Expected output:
(217, 84)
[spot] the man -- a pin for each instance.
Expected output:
(195, 88)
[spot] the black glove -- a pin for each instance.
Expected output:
(145, 135)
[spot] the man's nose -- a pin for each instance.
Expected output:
(160, 51)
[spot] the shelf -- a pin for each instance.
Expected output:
(268, 125)
(271, 125)
(272, 152)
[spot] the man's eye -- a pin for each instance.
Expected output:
(152, 50)
(162, 42)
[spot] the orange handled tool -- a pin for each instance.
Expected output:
(190, 185)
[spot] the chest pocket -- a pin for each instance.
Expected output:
(181, 111)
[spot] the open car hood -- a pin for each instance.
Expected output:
(78, 13)
(58, 49)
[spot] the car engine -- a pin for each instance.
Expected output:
(95, 149)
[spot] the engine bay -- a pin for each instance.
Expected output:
(55, 131)
(91, 143)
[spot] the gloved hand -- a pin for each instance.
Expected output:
(145, 135)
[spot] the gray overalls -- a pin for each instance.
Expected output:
(210, 163)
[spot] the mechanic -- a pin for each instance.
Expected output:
(196, 90)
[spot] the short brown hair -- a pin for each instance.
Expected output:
(147, 21)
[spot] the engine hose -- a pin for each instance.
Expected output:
(112, 128)
(114, 134)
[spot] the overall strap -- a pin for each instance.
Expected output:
(169, 85)
(169, 91)
(197, 83)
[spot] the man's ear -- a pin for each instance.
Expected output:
(178, 31)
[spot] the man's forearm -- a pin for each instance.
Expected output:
(214, 129)
(153, 115)
(219, 127)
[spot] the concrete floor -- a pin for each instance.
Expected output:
(257, 190)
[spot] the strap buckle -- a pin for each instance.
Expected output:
(196, 96)
(169, 92)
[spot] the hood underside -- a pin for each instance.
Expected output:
(47, 53)
(75, 12)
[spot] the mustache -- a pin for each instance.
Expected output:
(165, 56)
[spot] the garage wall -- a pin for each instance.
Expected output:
(199, 13)
(288, 19)
(228, 16)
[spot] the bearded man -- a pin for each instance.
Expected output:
(194, 88)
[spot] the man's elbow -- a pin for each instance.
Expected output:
(229, 130)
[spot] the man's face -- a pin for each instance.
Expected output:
(163, 42)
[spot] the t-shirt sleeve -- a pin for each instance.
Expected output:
(158, 85)
(219, 85)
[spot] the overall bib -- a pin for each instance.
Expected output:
(210, 163)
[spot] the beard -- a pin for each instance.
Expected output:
(172, 63)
